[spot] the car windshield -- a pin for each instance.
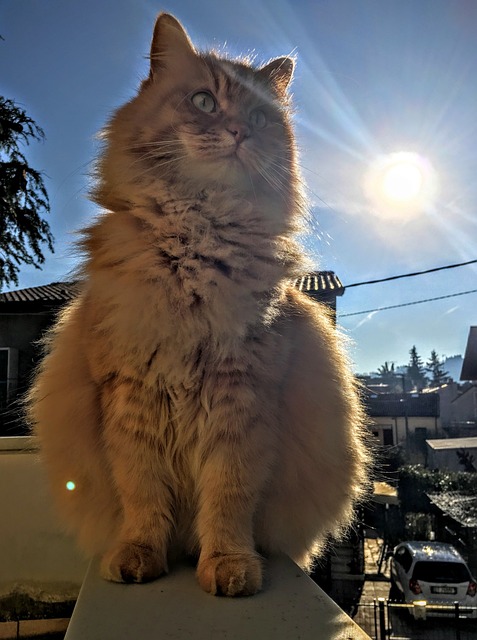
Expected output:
(441, 572)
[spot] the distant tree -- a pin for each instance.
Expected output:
(436, 368)
(388, 375)
(466, 459)
(416, 370)
(23, 197)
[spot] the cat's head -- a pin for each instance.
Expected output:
(203, 118)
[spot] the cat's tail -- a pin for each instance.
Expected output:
(63, 410)
(323, 460)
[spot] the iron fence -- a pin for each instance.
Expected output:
(383, 619)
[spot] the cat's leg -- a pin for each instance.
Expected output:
(139, 553)
(237, 459)
(228, 563)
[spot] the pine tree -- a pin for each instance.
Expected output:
(436, 369)
(23, 196)
(416, 370)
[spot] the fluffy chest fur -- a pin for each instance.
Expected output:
(175, 275)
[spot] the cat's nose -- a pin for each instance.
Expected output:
(239, 130)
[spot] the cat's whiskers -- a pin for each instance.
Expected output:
(158, 150)
(275, 173)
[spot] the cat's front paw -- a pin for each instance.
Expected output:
(230, 574)
(132, 562)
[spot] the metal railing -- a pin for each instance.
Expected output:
(383, 619)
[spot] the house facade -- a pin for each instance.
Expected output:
(25, 315)
(406, 420)
(452, 454)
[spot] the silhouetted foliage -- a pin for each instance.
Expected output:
(436, 369)
(415, 481)
(416, 370)
(23, 197)
(466, 459)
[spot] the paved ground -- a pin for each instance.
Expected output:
(375, 586)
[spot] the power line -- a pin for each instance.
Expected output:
(406, 304)
(410, 275)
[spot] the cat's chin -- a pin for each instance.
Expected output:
(229, 171)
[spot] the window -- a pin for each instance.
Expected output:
(403, 556)
(8, 374)
(455, 572)
(421, 433)
(384, 434)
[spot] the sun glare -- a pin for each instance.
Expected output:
(401, 184)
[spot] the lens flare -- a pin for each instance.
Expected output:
(70, 485)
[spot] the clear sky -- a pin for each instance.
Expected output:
(374, 79)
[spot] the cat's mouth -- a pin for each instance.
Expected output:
(238, 151)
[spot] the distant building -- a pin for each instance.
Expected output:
(461, 418)
(469, 366)
(24, 317)
(452, 454)
(404, 419)
(322, 286)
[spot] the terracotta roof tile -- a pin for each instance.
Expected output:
(56, 292)
(320, 282)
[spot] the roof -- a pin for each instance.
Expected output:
(453, 443)
(395, 405)
(469, 366)
(384, 493)
(39, 298)
(461, 508)
(319, 282)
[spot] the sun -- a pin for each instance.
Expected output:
(402, 181)
(401, 184)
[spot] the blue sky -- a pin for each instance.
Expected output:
(373, 78)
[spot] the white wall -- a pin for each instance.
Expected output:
(33, 548)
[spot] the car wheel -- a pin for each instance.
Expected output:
(394, 594)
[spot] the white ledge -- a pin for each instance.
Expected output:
(290, 607)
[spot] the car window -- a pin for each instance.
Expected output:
(404, 558)
(441, 572)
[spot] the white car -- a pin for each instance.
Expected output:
(432, 573)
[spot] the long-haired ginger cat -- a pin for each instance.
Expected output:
(195, 400)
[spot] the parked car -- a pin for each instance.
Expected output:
(434, 573)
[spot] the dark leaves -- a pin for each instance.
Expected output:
(23, 196)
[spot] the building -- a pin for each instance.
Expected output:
(322, 286)
(406, 420)
(452, 454)
(24, 317)
(469, 366)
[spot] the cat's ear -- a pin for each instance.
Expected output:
(170, 42)
(279, 73)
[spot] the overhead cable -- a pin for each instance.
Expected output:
(410, 275)
(406, 304)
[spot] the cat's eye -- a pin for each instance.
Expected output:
(258, 119)
(204, 101)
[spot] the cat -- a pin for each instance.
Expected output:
(191, 399)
